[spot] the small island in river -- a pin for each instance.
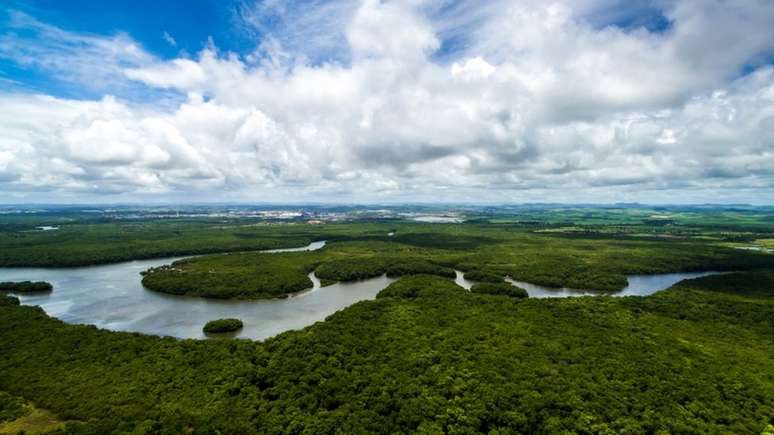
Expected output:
(223, 325)
(26, 286)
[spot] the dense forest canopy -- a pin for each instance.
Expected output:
(26, 286)
(425, 356)
(491, 254)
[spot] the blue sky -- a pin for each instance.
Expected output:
(387, 100)
(189, 25)
(170, 29)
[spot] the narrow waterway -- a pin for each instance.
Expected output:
(639, 285)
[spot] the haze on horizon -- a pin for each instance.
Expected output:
(452, 101)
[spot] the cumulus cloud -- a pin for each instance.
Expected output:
(511, 101)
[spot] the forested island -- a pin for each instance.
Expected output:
(425, 355)
(502, 289)
(26, 286)
(220, 326)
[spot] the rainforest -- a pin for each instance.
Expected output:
(423, 354)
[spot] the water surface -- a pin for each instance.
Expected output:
(639, 285)
(112, 297)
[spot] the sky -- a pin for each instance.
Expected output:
(387, 101)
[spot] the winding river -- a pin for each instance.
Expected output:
(112, 297)
(639, 285)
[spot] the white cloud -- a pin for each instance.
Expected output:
(536, 104)
(169, 39)
(92, 61)
(178, 73)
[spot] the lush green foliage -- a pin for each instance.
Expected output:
(11, 407)
(419, 285)
(351, 269)
(572, 247)
(110, 242)
(261, 275)
(232, 276)
(490, 254)
(425, 357)
(223, 325)
(501, 289)
(26, 286)
(7, 301)
(483, 276)
(414, 267)
(756, 284)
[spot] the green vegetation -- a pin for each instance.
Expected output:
(96, 236)
(486, 253)
(425, 357)
(19, 417)
(483, 276)
(7, 301)
(223, 325)
(578, 247)
(79, 244)
(38, 421)
(26, 287)
(418, 267)
(351, 269)
(11, 407)
(262, 275)
(419, 285)
(248, 275)
(500, 289)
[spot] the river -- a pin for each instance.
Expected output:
(639, 285)
(112, 297)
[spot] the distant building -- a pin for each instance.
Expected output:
(315, 222)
